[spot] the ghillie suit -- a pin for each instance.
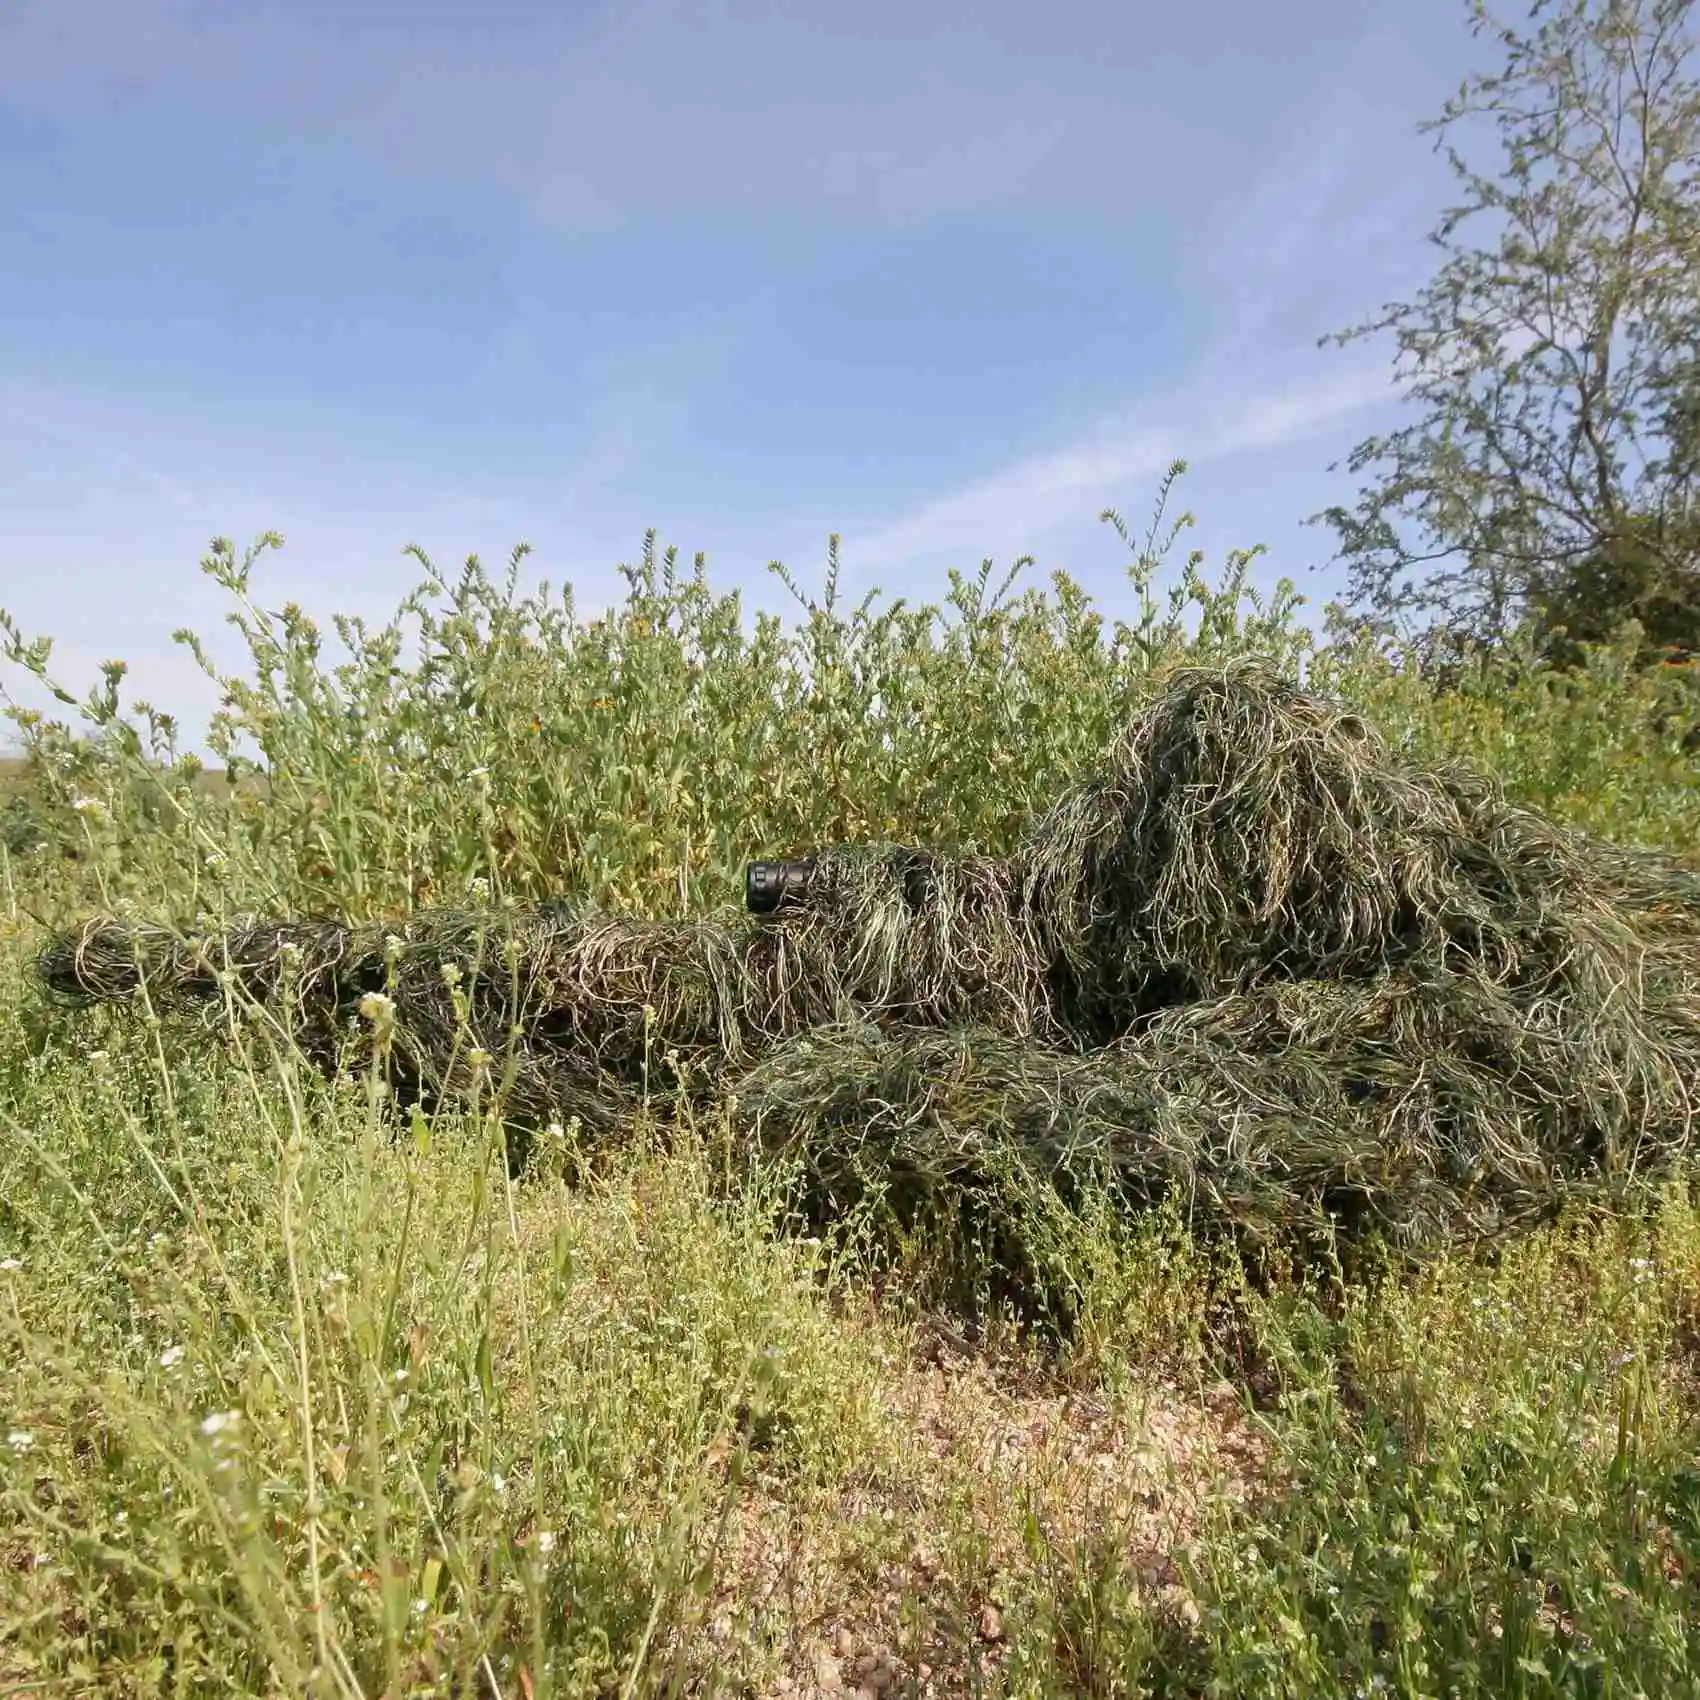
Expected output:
(1261, 966)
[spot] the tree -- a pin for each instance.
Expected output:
(1640, 574)
(1554, 468)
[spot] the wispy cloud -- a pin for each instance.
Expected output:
(1329, 227)
(1020, 505)
(41, 414)
(874, 152)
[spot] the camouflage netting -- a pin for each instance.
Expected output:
(1261, 966)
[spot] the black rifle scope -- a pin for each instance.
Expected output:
(768, 884)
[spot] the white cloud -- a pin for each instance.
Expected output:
(1023, 503)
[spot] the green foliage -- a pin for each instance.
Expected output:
(1489, 1484)
(20, 826)
(1639, 573)
(485, 735)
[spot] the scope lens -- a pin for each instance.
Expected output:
(768, 884)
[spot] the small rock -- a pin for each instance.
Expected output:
(991, 1624)
(844, 1644)
(828, 1678)
(874, 1670)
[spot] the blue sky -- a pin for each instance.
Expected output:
(948, 279)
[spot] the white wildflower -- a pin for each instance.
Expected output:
(220, 1422)
(171, 1357)
(8, 1264)
(20, 1440)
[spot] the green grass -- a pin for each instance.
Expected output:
(297, 1401)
